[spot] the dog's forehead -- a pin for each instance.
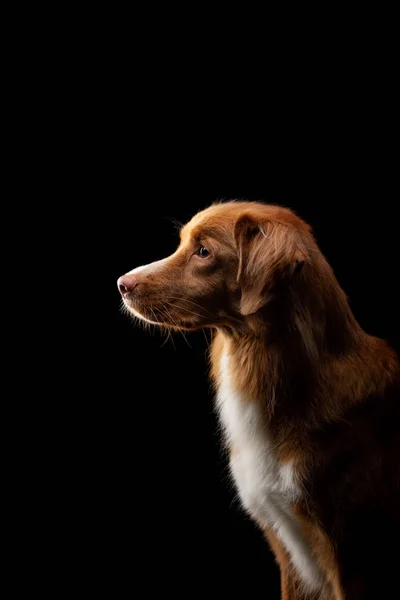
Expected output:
(219, 219)
(215, 217)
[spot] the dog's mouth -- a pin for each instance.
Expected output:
(154, 315)
(130, 310)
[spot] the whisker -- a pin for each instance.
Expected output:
(205, 337)
(191, 302)
(175, 323)
(169, 337)
(190, 312)
(185, 338)
(177, 224)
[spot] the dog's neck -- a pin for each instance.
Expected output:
(291, 354)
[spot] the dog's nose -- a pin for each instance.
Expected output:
(126, 283)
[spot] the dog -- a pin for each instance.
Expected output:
(309, 402)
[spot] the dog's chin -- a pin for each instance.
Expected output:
(177, 325)
(135, 313)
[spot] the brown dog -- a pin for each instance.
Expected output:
(309, 402)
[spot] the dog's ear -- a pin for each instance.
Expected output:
(268, 251)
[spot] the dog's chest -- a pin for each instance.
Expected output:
(266, 487)
(257, 473)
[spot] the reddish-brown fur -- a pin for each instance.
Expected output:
(330, 392)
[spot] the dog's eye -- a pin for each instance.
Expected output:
(203, 252)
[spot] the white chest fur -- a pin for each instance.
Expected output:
(266, 488)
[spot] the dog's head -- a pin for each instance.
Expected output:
(230, 260)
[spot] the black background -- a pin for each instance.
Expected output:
(144, 494)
